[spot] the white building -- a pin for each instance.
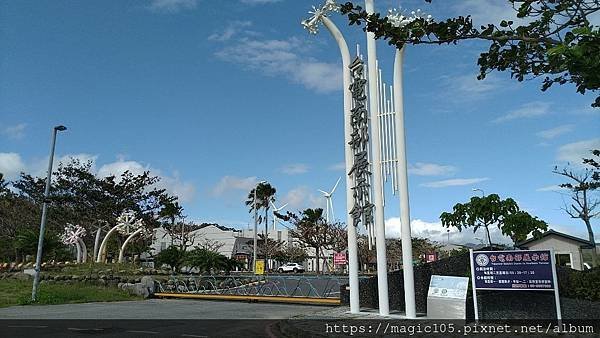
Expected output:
(567, 249)
(237, 244)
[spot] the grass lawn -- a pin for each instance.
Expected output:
(16, 292)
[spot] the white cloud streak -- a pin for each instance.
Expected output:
(295, 169)
(454, 182)
(16, 132)
(431, 169)
(229, 184)
(549, 134)
(233, 29)
(172, 6)
(283, 58)
(529, 110)
(575, 152)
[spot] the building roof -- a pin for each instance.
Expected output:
(584, 243)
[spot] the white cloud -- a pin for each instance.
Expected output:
(233, 183)
(434, 231)
(487, 11)
(120, 166)
(555, 132)
(574, 153)
(174, 185)
(284, 58)
(172, 6)
(230, 31)
(295, 169)
(532, 109)
(338, 166)
(11, 165)
(259, 2)
(551, 188)
(431, 169)
(301, 198)
(15, 132)
(185, 191)
(454, 182)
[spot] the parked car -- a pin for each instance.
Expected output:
(291, 267)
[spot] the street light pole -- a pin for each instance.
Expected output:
(482, 193)
(38, 260)
(254, 251)
(487, 231)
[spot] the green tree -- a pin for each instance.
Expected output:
(171, 256)
(291, 254)
(312, 230)
(207, 261)
(26, 243)
(556, 40)
(492, 210)
(520, 224)
(583, 187)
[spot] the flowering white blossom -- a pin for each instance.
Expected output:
(312, 23)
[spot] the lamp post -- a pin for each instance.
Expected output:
(487, 231)
(255, 227)
(482, 192)
(38, 260)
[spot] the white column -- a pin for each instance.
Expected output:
(97, 242)
(407, 259)
(382, 278)
(102, 251)
(78, 252)
(83, 250)
(122, 251)
(352, 243)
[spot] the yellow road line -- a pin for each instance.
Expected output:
(273, 299)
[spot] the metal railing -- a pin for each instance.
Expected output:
(259, 285)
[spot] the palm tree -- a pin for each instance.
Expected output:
(265, 195)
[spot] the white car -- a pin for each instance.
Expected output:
(291, 267)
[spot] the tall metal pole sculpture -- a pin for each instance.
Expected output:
(126, 217)
(38, 259)
(132, 228)
(382, 277)
(73, 235)
(398, 20)
(319, 15)
(405, 231)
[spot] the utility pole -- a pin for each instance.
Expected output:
(38, 260)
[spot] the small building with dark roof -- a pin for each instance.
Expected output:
(567, 248)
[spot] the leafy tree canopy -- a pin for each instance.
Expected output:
(492, 210)
(556, 40)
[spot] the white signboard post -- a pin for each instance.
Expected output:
(447, 297)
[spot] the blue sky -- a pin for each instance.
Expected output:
(214, 96)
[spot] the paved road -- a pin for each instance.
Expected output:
(150, 318)
(159, 309)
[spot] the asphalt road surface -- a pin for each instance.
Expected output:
(159, 309)
(150, 318)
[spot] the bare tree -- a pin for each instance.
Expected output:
(584, 183)
(210, 244)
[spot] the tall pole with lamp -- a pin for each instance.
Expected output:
(38, 260)
(254, 251)
(487, 231)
